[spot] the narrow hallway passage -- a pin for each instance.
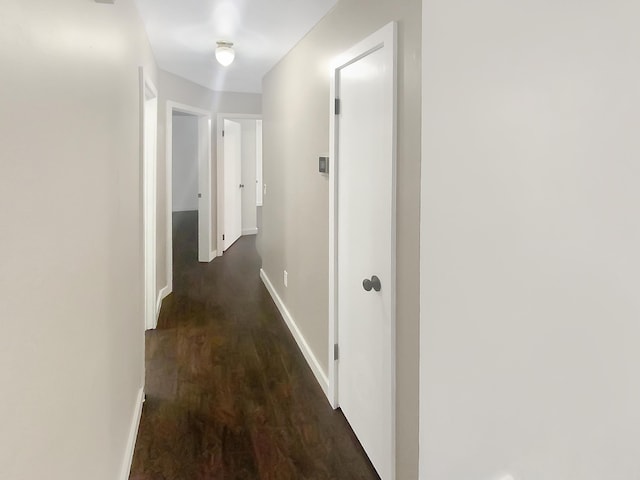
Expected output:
(228, 393)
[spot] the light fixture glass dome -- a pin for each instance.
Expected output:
(225, 53)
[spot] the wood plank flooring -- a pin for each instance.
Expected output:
(229, 395)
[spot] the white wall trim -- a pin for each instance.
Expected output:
(133, 435)
(220, 167)
(213, 254)
(250, 231)
(315, 366)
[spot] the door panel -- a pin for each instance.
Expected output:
(365, 247)
(232, 182)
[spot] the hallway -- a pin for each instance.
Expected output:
(228, 393)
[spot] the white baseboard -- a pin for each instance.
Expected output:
(213, 255)
(250, 231)
(133, 435)
(162, 294)
(320, 375)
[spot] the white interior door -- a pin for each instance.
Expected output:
(366, 249)
(232, 182)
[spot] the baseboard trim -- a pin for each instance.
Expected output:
(213, 255)
(162, 294)
(133, 435)
(311, 359)
(250, 231)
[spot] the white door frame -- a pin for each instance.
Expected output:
(220, 167)
(205, 251)
(148, 141)
(386, 36)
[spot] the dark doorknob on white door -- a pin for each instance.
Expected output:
(373, 283)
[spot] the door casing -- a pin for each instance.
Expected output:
(149, 135)
(385, 37)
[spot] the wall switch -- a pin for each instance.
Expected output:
(323, 164)
(286, 278)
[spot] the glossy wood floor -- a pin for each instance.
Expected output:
(229, 395)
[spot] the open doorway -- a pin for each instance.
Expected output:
(239, 177)
(188, 150)
(185, 190)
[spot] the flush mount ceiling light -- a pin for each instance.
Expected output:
(225, 53)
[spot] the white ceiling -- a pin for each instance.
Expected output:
(183, 35)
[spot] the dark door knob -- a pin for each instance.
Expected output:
(373, 283)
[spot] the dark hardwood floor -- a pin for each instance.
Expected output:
(229, 395)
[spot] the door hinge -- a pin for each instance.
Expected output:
(335, 352)
(337, 106)
(223, 236)
(223, 133)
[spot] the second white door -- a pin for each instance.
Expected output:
(232, 182)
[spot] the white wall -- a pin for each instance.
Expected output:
(259, 187)
(71, 276)
(530, 232)
(185, 163)
(249, 152)
(294, 234)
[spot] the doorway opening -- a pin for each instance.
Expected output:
(188, 154)
(239, 168)
(185, 190)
